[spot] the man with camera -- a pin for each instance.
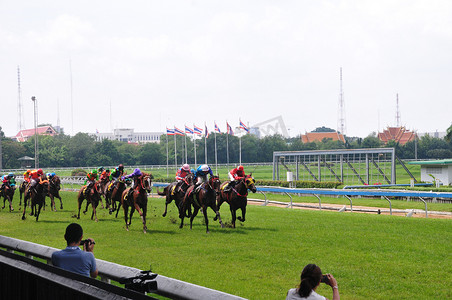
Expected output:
(72, 258)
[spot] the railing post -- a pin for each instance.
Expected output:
(426, 214)
(351, 205)
(390, 205)
(291, 203)
(320, 201)
(265, 196)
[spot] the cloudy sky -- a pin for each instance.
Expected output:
(147, 64)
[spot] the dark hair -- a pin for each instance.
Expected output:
(73, 233)
(310, 278)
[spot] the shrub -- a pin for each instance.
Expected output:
(78, 172)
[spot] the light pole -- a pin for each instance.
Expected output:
(35, 109)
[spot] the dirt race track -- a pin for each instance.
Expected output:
(416, 213)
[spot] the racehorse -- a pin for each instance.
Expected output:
(37, 196)
(201, 200)
(8, 193)
(176, 194)
(22, 189)
(114, 192)
(137, 200)
(54, 191)
(102, 186)
(237, 197)
(92, 198)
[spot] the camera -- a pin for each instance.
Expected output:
(143, 283)
(325, 279)
(89, 242)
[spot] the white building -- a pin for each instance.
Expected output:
(435, 169)
(128, 135)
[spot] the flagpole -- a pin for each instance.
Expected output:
(216, 160)
(185, 134)
(205, 143)
(194, 143)
(240, 148)
(175, 149)
(227, 144)
(167, 159)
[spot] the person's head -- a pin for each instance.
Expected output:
(11, 175)
(94, 172)
(28, 171)
(137, 172)
(240, 168)
(205, 168)
(310, 279)
(186, 167)
(40, 172)
(74, 233)
(120, 167)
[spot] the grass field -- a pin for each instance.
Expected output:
(371, 256)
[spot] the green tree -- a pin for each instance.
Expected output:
(323, 129)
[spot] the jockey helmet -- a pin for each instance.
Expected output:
(40, 172)
(240, 168)
(48, 174)
(186, 167)
(137, 172)
(28, 171)
(193, 171)
(94, 171)
(11, 174)
(107, 170)
(100, 169)
(120, 167)
(205, 168)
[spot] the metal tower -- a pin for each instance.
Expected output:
(397, 117)
(341, 126)
(20, 108)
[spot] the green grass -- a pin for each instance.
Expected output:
(371, 256)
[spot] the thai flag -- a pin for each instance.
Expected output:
(178, 131)
(229, 129)
(217, 129)
(188, 130)
(243, 126)
(197, 130)
(169, 131)
(206, 133)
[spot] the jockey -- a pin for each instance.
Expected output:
(5, 182)
(91, 180)
(234, 175)
(201, 175)
(27, 175)
(135, 174)
(12, 179)
(100, 170)
(105, 175)
(50, 175)
(34, 177)
(117, 172)
(180, 175)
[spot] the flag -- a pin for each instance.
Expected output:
(243, 126)
(217, 129)
(206, 133)
(229, 129)
(188, 130)
(169, 131)
(178, 131)
(97, 131)
(197, 130)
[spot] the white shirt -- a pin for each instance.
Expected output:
(293, 295)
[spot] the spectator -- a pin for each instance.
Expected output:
(311, 276)
(73, 258)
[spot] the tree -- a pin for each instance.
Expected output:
(449, 134)
(323, 129)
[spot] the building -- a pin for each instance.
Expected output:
(129, 136)
(25, 134)
(435, 169)
(310, 137)
(400, 135)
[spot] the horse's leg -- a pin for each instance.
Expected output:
(61, 201)
(25, 206)
(10, 199)
(117, 210)
(143, 217)
(233, 215)
(217, 214)
(167, 201)
(193, 215)
(204, 211)
(80, 201)
(94, 214)
(242, 219)
(52, 202)
(87, 203)
(126, 212)
(38, 209)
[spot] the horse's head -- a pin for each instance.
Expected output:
(189, 179)
(250, 183)
(56, 182)
(146, 182)
(43, 184)
(215, 184)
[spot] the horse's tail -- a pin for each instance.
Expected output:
(165, 190)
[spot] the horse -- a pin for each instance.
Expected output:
(137, 200)
(114, 192)
(92, 198)
(237, 197)
(54, 191)
(201, 200)
(8, 194)
(102, 186)
(22, 189)
(37, 196)
(177, 194)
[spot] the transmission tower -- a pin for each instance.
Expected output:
(397, 117)
(20, 108)
(341, 126)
